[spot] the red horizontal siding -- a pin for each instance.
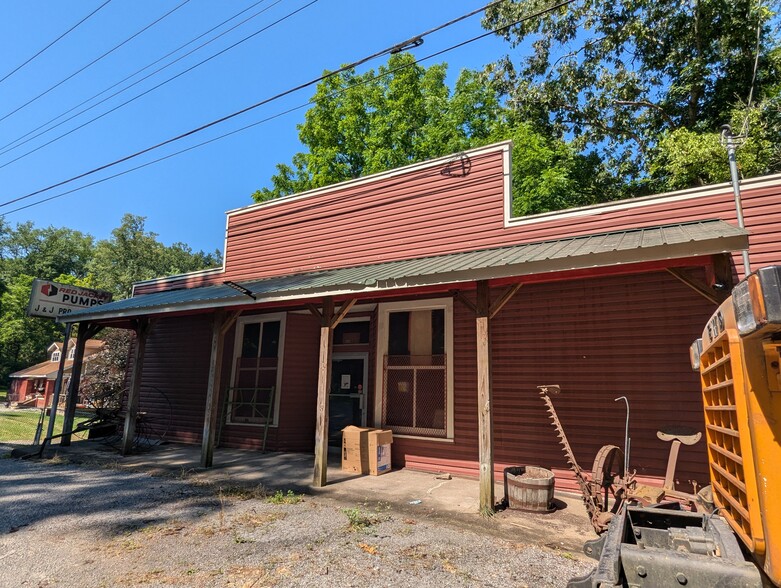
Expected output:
(175, 376)
(423, 213)
(599, 339)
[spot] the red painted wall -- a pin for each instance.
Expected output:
(421, 212)
(598, 339)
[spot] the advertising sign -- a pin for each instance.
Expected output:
(53, 300)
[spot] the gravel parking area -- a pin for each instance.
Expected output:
(67, 525)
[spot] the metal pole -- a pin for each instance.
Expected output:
(729, 143)
(627, 440)
(58, 381)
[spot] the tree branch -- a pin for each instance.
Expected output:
(646, 104)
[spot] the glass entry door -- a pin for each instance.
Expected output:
(347, 399)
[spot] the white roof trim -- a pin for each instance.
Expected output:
(501, 146)
(629, 203)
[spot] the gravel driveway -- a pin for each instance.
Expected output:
(66, 525)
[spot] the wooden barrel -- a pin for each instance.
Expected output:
(529, 488)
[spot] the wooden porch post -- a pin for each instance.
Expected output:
(85, 332)
(142, 328)
(222, 323)
(484, 399)
(323, 384)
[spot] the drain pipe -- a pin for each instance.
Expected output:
(728, 140)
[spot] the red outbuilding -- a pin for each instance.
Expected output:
(412, 300)
(34, 385)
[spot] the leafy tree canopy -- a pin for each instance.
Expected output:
(632, 78)
(404, 113)
(71, 257)
(132, 254)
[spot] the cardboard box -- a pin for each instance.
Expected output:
(380, 451)
(355, 449)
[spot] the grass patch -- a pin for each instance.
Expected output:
(288, 497)
(20, 424)
(359, 520)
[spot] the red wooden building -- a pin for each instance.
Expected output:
(34, 385)
(411, 300)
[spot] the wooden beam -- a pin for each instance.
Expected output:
(464, 300)
(142, 327)
(315, 311)
(342, 312)
(230, 320)
(503, 299)
(484, 399)
(698, 287)
(320, 478)
(221, 323)
(85, 332)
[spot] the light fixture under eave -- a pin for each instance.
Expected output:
(240, 288)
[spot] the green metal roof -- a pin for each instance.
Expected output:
(572, 253)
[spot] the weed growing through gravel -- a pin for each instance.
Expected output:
(239, 539)
(360, 520)
(288, 497)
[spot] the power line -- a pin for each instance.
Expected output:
(94, 61)
(153, 88)
(70, 30)
(394, 48)
(7, 147)
(744, 129)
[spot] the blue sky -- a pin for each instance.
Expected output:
(185, 197)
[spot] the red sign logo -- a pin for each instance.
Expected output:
(48, 290)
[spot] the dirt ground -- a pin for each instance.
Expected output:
(65, 525)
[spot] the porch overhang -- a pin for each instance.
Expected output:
(646, 244)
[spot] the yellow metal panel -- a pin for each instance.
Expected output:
(743, 429)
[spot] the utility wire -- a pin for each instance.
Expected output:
(8, 146)
(395, 48)
(70, 30)
(94, 61)
(153, 88)
(744, 129)
(413, 42)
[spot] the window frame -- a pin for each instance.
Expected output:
(383, 312)
(241, 322)
(72, 352)
(56, 355)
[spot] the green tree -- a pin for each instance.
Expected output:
(23, 339)
(361, 124)
(133, 254)
(623, 77)
(43, 253)
(368, 123)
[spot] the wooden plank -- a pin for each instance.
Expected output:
(504, 299)
(698, 287)
(85, 332)
(342, 312)
(320, 477)
(143, 327)
(315, 311)
(221, 323)
(458, 294)
(484, 400)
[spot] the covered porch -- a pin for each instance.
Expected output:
(477, 284)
